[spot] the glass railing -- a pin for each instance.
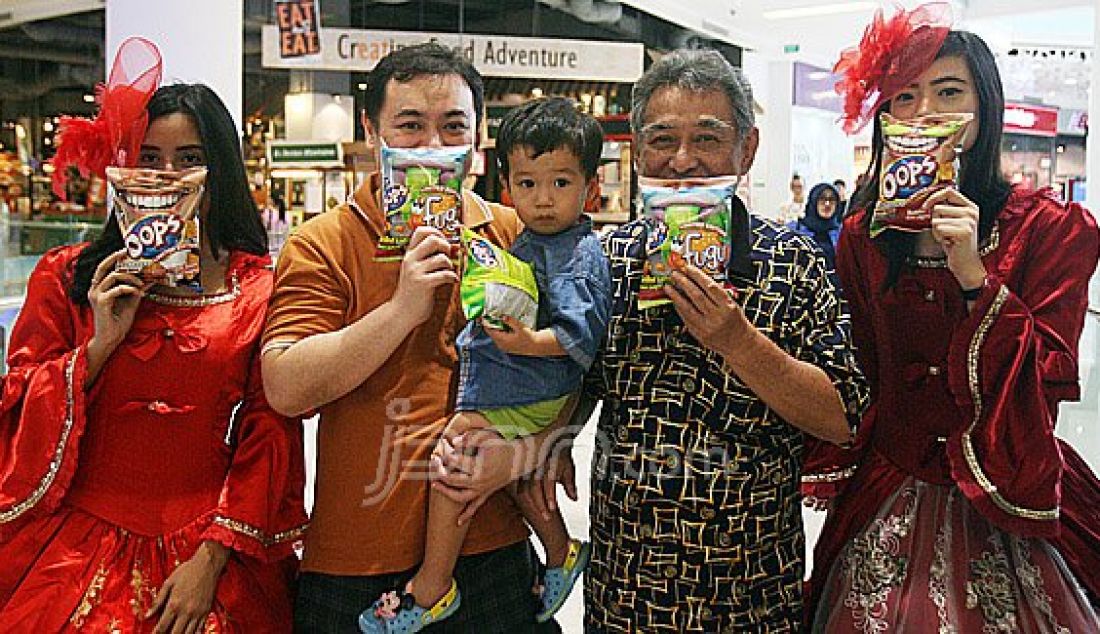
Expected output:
(22, 243)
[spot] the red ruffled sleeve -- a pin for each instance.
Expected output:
(260, 511)
(827, 468)
(1010, 363)
(42, 414)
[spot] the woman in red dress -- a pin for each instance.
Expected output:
(145, 484)
(957, 510)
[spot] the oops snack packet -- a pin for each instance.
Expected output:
(496, 283)
(690, 223)
(157, 212)
(420, 186)
(918, 159)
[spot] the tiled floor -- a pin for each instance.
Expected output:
(1077, 423)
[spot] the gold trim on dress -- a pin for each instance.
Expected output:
(941, 263)
(830, 476)
(90, 599)
(975, 392)
(198, 301)
(59, 451)
(258, 535)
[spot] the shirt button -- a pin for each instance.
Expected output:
(707, 513)
(688, 385)
(672, 461)
(169, 333)
(933, 370)
(633, 499)
(930, 296)
(622, 434)
(615, 609)
(672, 341)
(706, 613)
(646, 531)
(724, 540)
(671, 572)
(635, 356)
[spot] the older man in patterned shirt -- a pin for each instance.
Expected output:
(696, 520)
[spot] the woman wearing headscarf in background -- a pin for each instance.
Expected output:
(957, 509)
(821, 220)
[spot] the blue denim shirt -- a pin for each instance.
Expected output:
(574, 301)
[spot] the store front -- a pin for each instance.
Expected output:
(1069, 154)
(1029, 144)
(596, 74)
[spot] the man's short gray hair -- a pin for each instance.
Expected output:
(696, 70)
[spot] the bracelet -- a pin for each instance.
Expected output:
(971, 294)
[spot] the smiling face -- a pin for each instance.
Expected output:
(548, 191)
(945, 87)
(690, 133)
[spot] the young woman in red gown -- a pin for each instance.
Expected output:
(957, 510)
(145, 484)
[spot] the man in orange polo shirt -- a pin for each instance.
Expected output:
(371, 346)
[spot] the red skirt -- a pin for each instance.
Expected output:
(928, 562)
(71, 571)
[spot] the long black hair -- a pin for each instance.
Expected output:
(232, 221)
(980, 179)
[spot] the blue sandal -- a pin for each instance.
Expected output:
(399, 614)
(557, 583)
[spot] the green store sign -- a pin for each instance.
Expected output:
(305, 154)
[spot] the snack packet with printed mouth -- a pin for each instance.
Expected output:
(421, 186)
(496, 284)
(919, 158)
(690, 223)
(157, 212)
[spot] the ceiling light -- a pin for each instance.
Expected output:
(820, 9)
(818, 75)
(362, 86)
(89, 98)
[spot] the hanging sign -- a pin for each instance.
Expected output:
(357, 50)
(299, 26)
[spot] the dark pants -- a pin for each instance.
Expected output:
(495, 587)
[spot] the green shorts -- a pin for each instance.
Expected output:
(524, 420)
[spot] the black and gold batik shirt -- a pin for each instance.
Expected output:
(695, 508)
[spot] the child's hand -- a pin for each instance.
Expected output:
(517, 339)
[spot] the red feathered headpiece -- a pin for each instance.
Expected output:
(891, 54)
(114, 136)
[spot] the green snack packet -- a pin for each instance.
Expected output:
(420, 186)
(496, 284)
(689, 223)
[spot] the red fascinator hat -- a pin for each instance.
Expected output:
(114, 136)
(891, 54)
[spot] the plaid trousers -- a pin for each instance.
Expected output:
(495, 586)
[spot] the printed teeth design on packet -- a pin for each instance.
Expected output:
(919, 157)
(157, 213)
(421, 187)
(689, 222)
